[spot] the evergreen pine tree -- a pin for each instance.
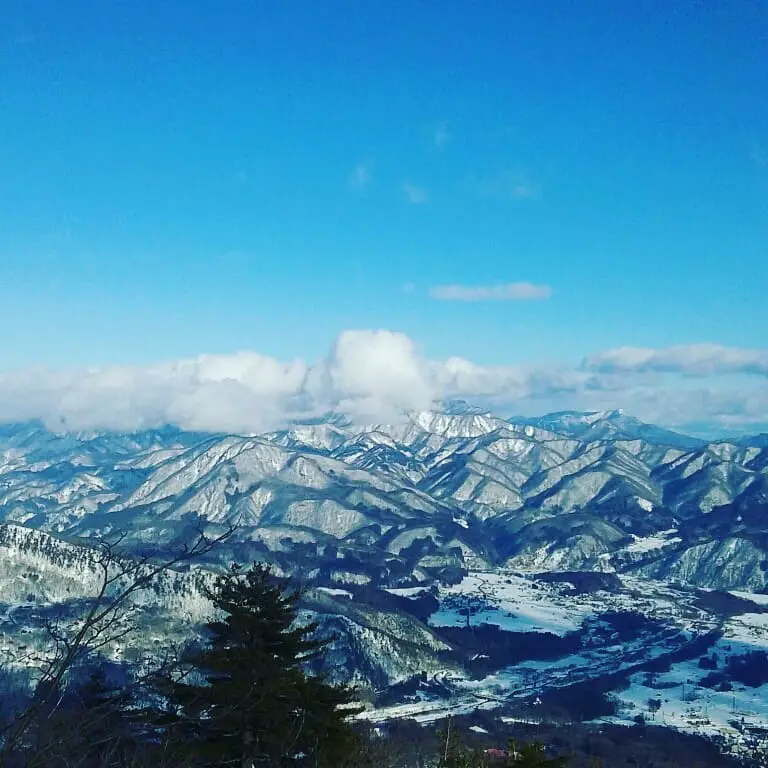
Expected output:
(251, 703)
(87, 720)
(105, 726)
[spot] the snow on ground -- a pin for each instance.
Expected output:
(519, 603)
(657, 541)
(749, 629)
(425, 712)
(335, 592)
(688, 706)
(530, 677)
(644, 503)
(512, 602)
(755, 597)
(407, 591)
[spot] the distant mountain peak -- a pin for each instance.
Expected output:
(462, 408)
(614, 424)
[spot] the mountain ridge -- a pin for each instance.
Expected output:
(436, 490)
(462, 562)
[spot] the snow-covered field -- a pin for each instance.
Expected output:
(519, 603)
(738, 716)
(649, 543)
(509, 601)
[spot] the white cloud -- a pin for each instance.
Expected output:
(688, 360)
(242, 392)
(441, 135)
(376, 376)
(500, 292)
(413, 194)
(360, 177)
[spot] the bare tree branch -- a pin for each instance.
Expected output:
(105, 621)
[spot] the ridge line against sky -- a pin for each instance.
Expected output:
(521, 188)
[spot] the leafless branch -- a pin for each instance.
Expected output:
(104, 622)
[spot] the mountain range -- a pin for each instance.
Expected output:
(413, 540)
(440, 490)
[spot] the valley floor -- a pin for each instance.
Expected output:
(652, 673)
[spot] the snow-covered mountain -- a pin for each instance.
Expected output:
(395, 502)
(423, 545)
(609, 425)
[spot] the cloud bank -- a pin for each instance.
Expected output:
(376, 376)
(696, 360)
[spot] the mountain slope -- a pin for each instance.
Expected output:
(413, 500)
(609, 425)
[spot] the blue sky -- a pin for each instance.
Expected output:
(199, 177)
